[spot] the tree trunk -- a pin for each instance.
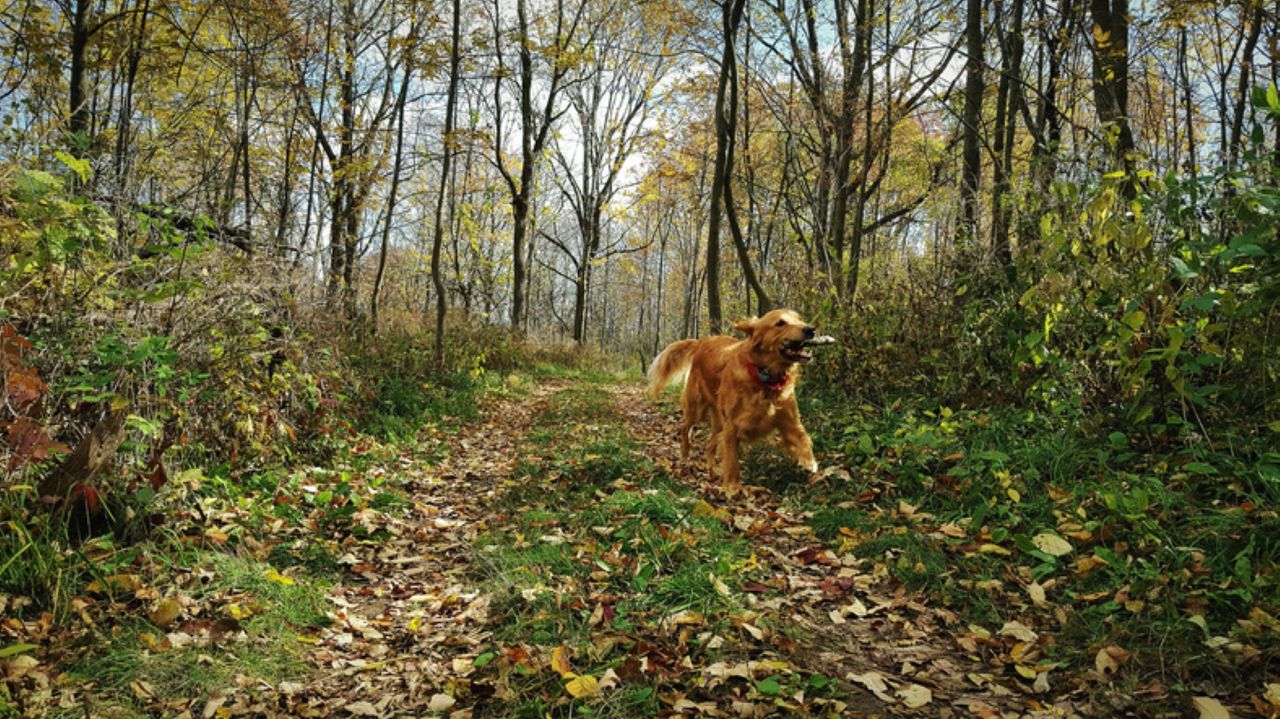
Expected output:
(1242, 88)
(1188, 103)
(861, 59)
(971, 119)
(345, 219)
(446, 164)
(853, 59)
(375, 293)
(1006, 127)
(1111, 82)
(78, 105)
(731, 210)
(731, 16)
(580, 303)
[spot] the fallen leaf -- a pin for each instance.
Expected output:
(721, 588)
(1109, 659)
(582, 685)
(441, 703)
(279, 578)
(1084, 565)
(19, 666)
(1018, 631)
(215, 703)
(1052, 544)
(1210, 708)
(115, 584)
(165, 613)
(874, 683)
(609, 680)
(559, 662)
(360, 709)
(769, 686)
(915, 696)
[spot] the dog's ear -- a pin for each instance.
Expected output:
(746, 326)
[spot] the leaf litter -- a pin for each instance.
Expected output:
(410, 626)
(903, 655)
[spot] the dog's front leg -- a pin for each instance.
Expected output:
(731, 470)
(796, 442)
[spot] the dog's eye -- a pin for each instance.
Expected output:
(782, 323)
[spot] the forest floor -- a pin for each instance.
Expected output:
(551, 558)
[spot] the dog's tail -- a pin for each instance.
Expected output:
(671, 365)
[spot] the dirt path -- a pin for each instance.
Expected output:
(407, 637)
(390, 648)
(900, 655)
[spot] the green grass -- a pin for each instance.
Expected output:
(594, 518)
(132, 650)
(1184, 535)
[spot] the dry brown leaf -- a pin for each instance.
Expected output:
(1052, 544)
(441, 703)
(1036, 591)
(1018, 631)
(915, 696)
(1210, 708)
(1109, 659)
(875, 683)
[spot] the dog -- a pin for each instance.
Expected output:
(745, 389)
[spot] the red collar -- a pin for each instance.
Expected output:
(763, 379)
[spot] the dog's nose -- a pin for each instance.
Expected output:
(810, 331)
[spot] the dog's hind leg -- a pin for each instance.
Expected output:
(712, 443)
(709, 448)
(691, 418)
(686, 427)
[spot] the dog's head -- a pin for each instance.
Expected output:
(779, 339)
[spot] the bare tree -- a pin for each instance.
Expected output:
(533, 121)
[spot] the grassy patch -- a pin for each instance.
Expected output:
(243, 620)
(603, 557)
(1168, 552)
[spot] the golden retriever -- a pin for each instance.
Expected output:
(745, 388)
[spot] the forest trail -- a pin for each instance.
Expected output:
(412, 607)
(886, 644)
(447, 622)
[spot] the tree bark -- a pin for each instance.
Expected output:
(731, 16)
(1110, 36)
(1255, 21)
(446, 165)
(1188, 103)
(731, 210)
(1005, 129)
(971, 120)
(375, 293)
(78, 105)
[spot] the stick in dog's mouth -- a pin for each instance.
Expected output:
(796, 351)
